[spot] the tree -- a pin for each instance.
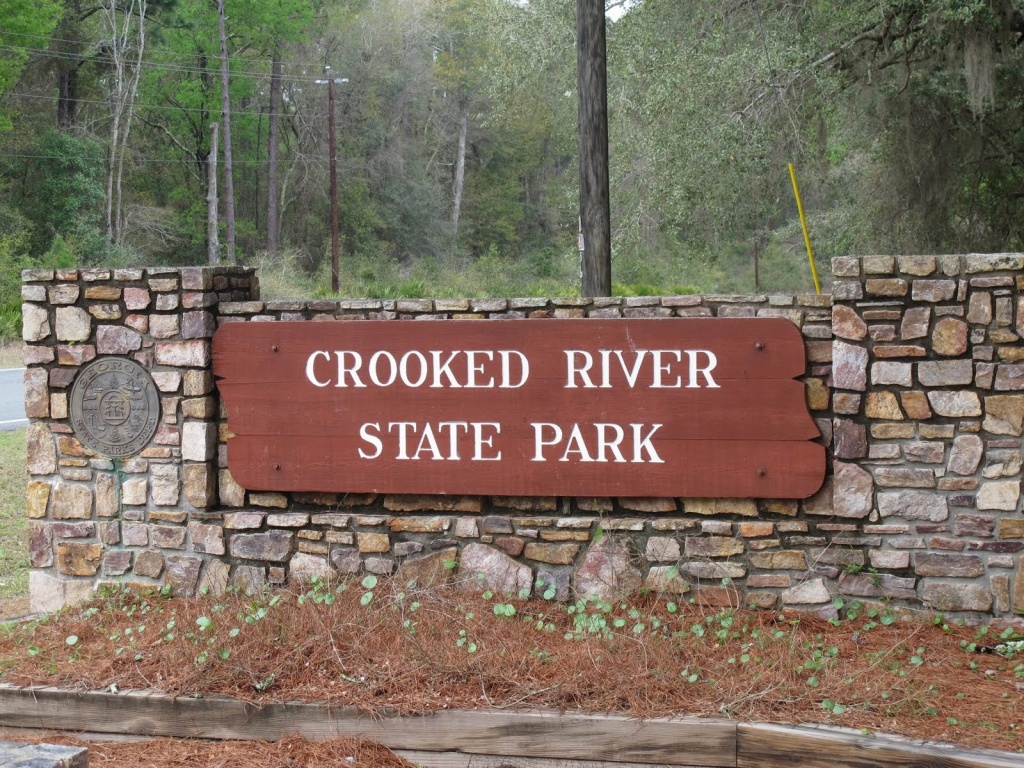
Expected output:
(61, 190)
(273, 149)
(944, 78)
(903, 116)
(503, 72)
(284, 23)
(457, 134)
(181, 95)
(25, 24)
(460, 52)
(126, 46)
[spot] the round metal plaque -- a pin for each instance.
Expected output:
(115, 407)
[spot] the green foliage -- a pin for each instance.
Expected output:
(14, 236)
(10, 322)
(62, 189)
(26, 24)
(540, 273)
(904, 127)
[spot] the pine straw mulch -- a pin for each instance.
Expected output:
(390, 649)
(290, 752)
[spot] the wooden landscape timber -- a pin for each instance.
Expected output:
(486, 739)
(780, 746)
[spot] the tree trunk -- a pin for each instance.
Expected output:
(212, 238)
(460, 169)
(595, 213)
(123, 105)
(757, 265)
(273, 222)
(115, 133)
(117, 48)
(225, 98)
(133, 92)
(67, 46)
(67, 93)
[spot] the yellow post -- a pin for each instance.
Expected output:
(803, 223)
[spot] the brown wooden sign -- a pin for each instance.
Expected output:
(693, 407)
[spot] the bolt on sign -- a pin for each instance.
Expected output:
(696, 407)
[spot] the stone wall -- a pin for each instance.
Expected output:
(928, 403)
(173, 515)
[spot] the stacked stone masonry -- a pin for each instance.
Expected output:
(93, 518)
(928, 404)
(922, 413)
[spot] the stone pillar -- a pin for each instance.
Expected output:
(928, 406)
(95, 517)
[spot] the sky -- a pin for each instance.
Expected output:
(617, 11)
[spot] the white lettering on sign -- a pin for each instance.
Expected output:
(311, 371)
(597, 445)
(357, 361)
(469, 369)
(657, 364)
(409, 441)
(600, 442)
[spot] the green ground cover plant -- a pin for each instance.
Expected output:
(549, 273)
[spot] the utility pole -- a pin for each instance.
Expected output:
(330, 81)
(229, 170)
(595, 213)
(212, 238)
(273, 219)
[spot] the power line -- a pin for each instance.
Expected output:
(214, 109)
(86, 43)
(13, 156)
(160, 66)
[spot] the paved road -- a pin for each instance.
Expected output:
(12, 399)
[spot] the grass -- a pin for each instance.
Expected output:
(13, 549)
(551, 273)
